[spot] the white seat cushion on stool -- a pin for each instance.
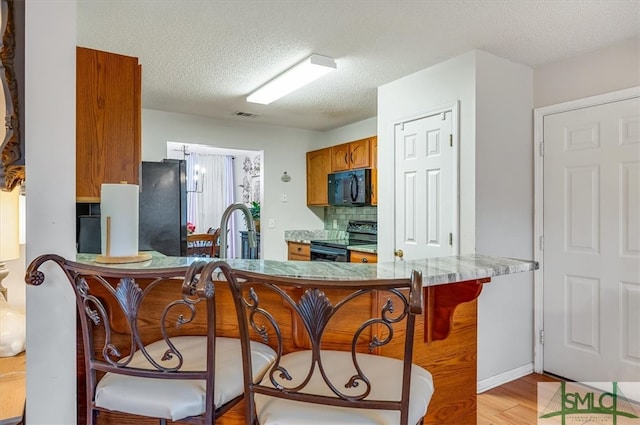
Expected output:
(178, 398)
(385, 375)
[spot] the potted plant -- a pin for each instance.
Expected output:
(254, 209)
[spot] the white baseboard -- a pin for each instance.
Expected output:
(503, 378)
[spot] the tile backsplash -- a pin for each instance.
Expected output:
(343, 215)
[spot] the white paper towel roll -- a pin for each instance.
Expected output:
(120, 203)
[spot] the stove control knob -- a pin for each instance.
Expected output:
(398, 253)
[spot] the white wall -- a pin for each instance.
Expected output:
(504, 211)
(612, 68)
(496, 189)
(50, 160)
(284, 150)
(348, 133)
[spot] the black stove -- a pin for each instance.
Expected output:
(339, 243)
(360, 232)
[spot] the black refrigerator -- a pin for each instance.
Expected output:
(163, 207)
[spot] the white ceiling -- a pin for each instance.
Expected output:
(205, 56)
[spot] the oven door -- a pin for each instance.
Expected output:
(324, 253)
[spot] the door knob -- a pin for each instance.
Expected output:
(398, 253)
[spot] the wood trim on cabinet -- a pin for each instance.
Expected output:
(440, 303)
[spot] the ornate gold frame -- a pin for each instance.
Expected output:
(12, 169)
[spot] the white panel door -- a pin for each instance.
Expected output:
(426, 189)
(592, 243)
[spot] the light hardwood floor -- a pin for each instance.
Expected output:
(514, 403)
(12, 388)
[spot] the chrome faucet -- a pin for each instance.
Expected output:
(224, 225)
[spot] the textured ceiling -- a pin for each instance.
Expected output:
(205, 57)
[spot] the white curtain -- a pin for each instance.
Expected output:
(230, 199)
(212, 194)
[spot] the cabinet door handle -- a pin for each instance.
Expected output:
(364, 260)
(346, 158)
(299, 249)
(351, 157)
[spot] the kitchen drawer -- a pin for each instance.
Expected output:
(363, 257)
(299, 251)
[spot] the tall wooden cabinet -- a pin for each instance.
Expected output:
(318, 167)
(108, 121)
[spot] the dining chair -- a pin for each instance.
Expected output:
(149, 342)
(202, 245)
(216, 242)
(332, 340)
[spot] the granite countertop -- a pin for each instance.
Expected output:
(306, 236)
(435, 271)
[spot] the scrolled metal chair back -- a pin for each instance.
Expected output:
(321, 317)
(123, 310)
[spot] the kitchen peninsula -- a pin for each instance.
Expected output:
(446, 333)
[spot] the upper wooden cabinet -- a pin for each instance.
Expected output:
(108, 121)
(318, 168)
(351, 155)
(374, 186)
(374, 151)
(322, 162)
(374, 170)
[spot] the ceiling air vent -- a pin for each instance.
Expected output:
(245, 114)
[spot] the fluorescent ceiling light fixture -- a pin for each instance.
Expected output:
(310, 69)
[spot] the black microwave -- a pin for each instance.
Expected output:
(350, 188)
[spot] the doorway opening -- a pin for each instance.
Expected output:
(216, 178)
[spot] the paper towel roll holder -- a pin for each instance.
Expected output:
(108, 259)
